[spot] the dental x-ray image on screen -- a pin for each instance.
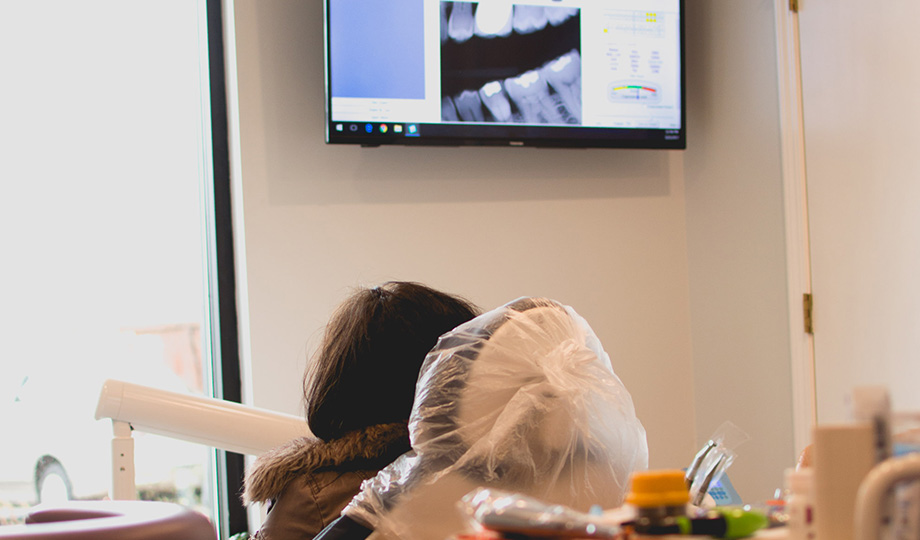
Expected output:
(561, 73)
(510, 63)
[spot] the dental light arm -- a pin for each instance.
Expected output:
(212, 422)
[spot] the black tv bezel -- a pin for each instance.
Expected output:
(517, 135)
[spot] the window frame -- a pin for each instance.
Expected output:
(224, 324)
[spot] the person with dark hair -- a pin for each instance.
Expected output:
(358, 393)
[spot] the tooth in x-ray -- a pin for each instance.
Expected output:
(564, 76)
(469, 106)
(461, 24)
(448, 111)
(493, 97)
(530, 94)
(558, 15)
(444, 15)
(529, 19)
(493, 18)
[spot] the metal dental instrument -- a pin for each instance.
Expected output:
(707, 480)
(698, 460)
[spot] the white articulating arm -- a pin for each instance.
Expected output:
(123, 487)
(212, 422)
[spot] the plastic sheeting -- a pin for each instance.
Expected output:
(522, 398)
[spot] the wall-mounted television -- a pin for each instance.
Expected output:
(566, 73)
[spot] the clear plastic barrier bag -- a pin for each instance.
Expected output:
(522, 398)
(713, 459)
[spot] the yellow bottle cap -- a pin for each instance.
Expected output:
(658, 488)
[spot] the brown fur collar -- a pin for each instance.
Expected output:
(372, 447)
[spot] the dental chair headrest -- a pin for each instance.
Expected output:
(522, 398)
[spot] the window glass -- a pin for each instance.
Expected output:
(102, 168)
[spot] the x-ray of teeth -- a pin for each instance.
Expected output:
(531, 96)
(529, 19)
(493, 19)
(495, 100)
(549, 95)
(461, 24)
(564, 76)
(462, 20)
(558, 15)
(445, 29)
(529, 75)
(524, 91)
(449, 111)
(469, 106)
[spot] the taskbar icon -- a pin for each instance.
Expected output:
(374, 128)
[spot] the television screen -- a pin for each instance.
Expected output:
(582, 73)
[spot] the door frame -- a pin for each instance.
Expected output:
(795, 194)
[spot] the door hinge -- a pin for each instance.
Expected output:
(794, 6)
(807, 308)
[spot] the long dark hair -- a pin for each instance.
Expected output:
(365, 371)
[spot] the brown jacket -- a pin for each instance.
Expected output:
(309, 481)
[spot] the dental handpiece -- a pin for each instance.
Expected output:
(698, 460)
(707, 480)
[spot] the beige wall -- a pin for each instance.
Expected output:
(605, 231)
(736, 238)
